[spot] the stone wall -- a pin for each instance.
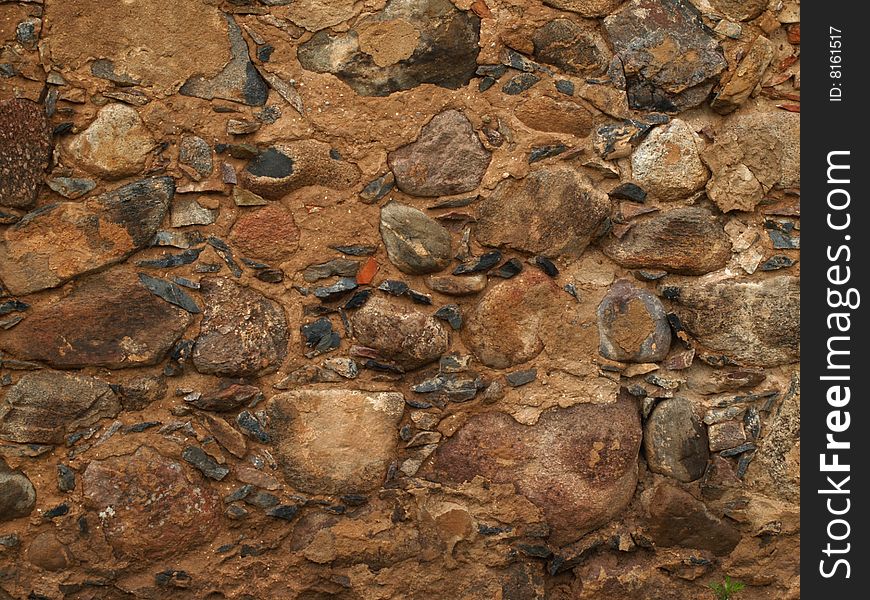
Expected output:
(399, 299)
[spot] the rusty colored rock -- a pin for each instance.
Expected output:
(61, 241)
(107, 320)
(579, 464)
(44, 406)
(48, 553)
(688, 241)
(318, 442)
(401, 334)
(678, 519)
(552, 211)
(149, 506)
(745, 78)
(25, 144)
(502, 335)
(447, 158)
(586, 8)
(269, 234)
(750, 322)
(243, 333)
(575, 49)
(559, 116)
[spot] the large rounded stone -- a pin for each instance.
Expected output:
(25, 144)
(243, 333)
(675, 441)
(150, 507)
(447, 158)
(415, 242)
(17, 494)
(115, 145)
(503, 328)
(335, 441)
(579, 464)
(401, 334)
(686, 241)
(667, 164)
(633, 325)
(46, 405)
(46, 552)
(749, 322)
(552, 211)
(109, 320)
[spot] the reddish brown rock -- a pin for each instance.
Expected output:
(633, 325)
(446, 159)
(108, 320)
(269, 234)
(687, 241)
(25, 144)
(745, 77)
(401, 334)
(243, 333)
(574, 48)
(46, 552)
(43, 406)
(579, 465)
(149, 506)
(502, 330)
(318, 440)
(749, 322)
(289, 166)
(58, 242)
(559, 116)
(586, 8)
(676, 518)
(552, 211)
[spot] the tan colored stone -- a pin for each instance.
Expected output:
(115, 145)
(335, 441)
(559, 116)
(388, 42)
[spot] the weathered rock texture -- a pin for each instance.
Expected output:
(399, 299)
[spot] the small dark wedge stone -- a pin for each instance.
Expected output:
(479, 264)
(509, 269)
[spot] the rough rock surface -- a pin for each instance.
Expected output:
(115, 145)
(62, 241)
(401, 334)
(162, 501)
(753, 323)
(446, 159)
(516, 338)
(243, 333)
(632, 325)
(675, 441)
(46, 405)
(25, 143)
(577, 464)
(287, 167)
(451, 428)
(415, 242)
(401, 47)
(107, 320)
(553, 211)
(688, 241)
(269, 234)
(751, 155)
(670, 58)
(318, 443)
(667, 164)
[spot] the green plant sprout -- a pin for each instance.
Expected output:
(725, 590)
